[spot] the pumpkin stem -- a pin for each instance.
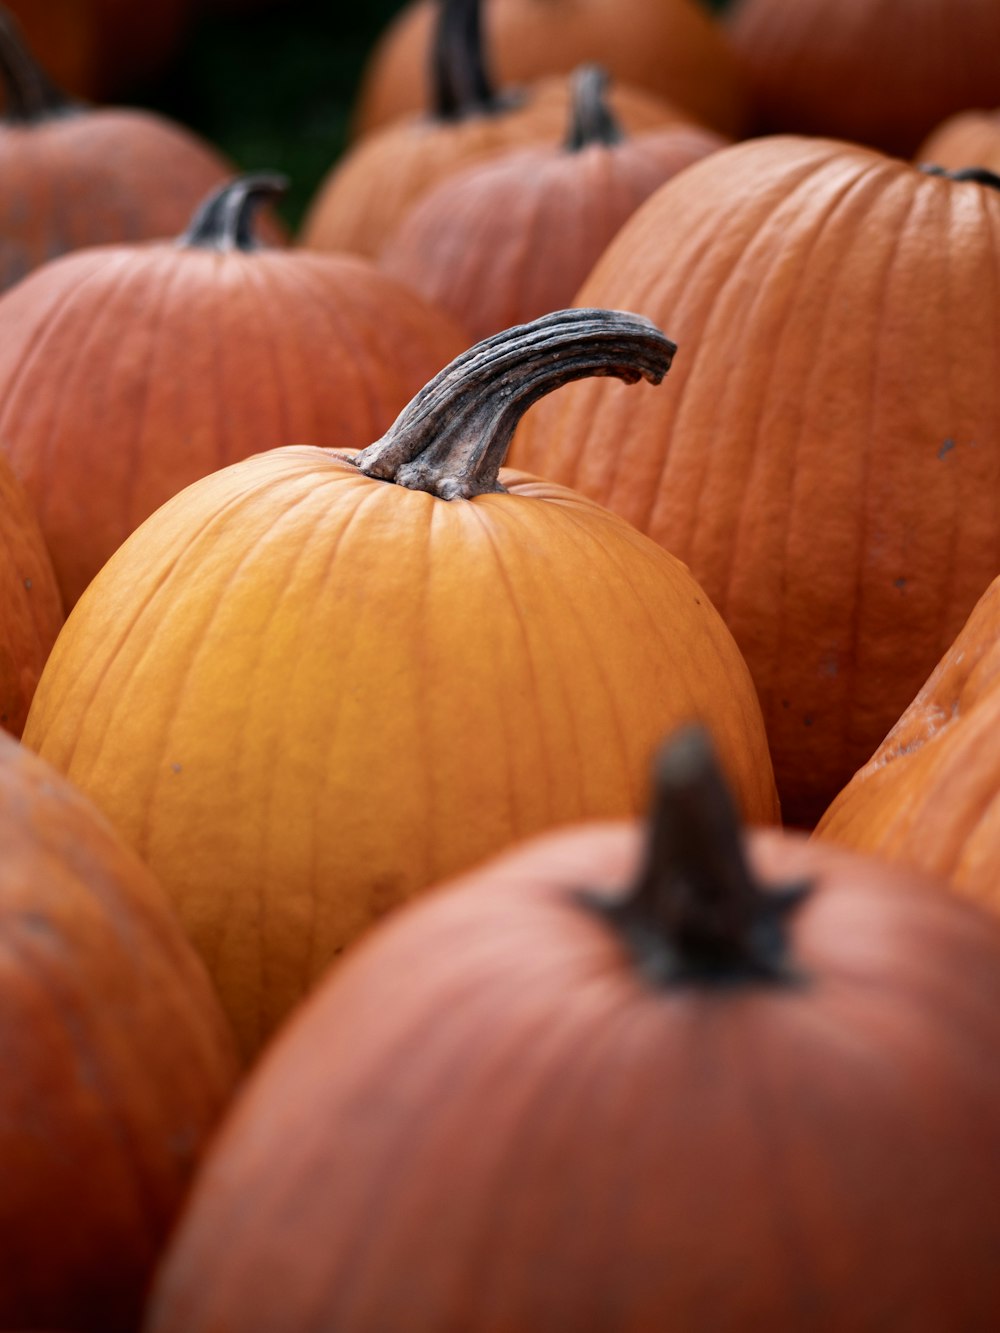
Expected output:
(30, 94)
(452, 438)
(591, 119)
(459, 73)
(981, 175)
(696, 912)
(224, 220)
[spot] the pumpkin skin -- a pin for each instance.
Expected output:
(303, 694)
(971, 138)
(928, 797)
(122, 1057)
(880, 72)
(75, 176)
(371, 188)
(127, 372)
(828, 459)
(31, 613)
(490, 1118)
(671, 48)
(506, 240)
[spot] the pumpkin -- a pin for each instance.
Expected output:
(963, 140)
(117, 1060)
(303, 693)
(929, 796)
(881, 72)
(669, 47)
(368, 192)
(828, 462)
(97, 48)
(127, 372)
(509, 239)
(599, 1085)
(75, 176)
(31, 612)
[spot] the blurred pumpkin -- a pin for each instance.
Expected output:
(74, 175)
(128, 372)
(117, 1060)
(971, 138)
(31, 611)
(369, 191)
(672, 48)
(828, 462)
(509, 239)
(591, 1088)
(304, 693)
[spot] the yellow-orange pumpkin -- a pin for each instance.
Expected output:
(304, 693)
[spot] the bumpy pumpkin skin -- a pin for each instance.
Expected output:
(303, 695)
(117, 1060)
(970, 139)
(531, 1136)
(31, 612)
(930, 795)
(826, 458)
(671, 48)
(879, 72)
(128, 372)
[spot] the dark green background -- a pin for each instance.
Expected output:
(274, 87)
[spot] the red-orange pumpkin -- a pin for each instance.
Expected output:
(75, 176)
(30, 607)
(506, 240)
(369, 191)
(127, 372)
(881, 72)
(672, 48)
(116, 1061)
(589, 1090)
(827, 459)
(304, 693)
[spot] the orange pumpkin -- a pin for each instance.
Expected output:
(971, 138)
(370, 190)
(117, 1061)
(73, 176)
(672, 48)
(828, 461)
(506, 240)
(31, 611)
(593, 1087)
(128, 372)
(930, 795)
(304, 694)
(881, 72)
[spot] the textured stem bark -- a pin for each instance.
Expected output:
(30, 95)
(591, 119)
(224, 221)
(452, 439)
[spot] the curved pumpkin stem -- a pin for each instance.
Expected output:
(224, 221)
(452, 439)
(980, 175)
(461, 81)
(30, 94)
(591, 119)
(696, 913)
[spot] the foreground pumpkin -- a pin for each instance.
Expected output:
(31, 613)
(116, 1060)
(74, 176)
(590, 1089)
(304, 693)
(930, 795)
(370, 190)
(127, 372)
(829, 464)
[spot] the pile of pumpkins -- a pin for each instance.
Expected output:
(472, 585)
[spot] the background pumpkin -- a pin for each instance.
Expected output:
(969, 139)
(304, 694)
(827, 458)
(128, 372)
(117, 1060)
(609, 1095)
